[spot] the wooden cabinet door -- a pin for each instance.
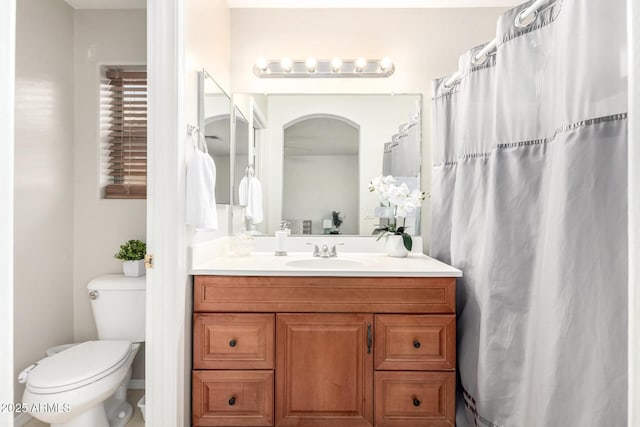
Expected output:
(324, 370)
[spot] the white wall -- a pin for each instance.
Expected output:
(43, 294)
(378, 118)
(102, 37)
(423, 43)
(7, 92)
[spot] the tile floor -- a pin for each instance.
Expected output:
(133, 396)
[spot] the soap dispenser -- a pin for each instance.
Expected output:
(281, 239)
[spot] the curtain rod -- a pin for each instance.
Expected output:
(489, 49)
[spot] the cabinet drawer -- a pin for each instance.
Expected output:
(415, 342)
(232, 398)
(233, 341)
(237, 294)
(415, 399)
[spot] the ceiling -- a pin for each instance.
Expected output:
(141, 4)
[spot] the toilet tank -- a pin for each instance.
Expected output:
(118, 305)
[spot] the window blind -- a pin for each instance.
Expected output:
(125, 133)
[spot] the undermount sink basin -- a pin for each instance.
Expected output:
(325, 263)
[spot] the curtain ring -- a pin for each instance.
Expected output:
(530, 18)
(479, 60)
(523, 21)
(448, 87)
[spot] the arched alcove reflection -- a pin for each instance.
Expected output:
(320, 172)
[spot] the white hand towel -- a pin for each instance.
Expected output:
(254, 201)
(243, 192)
(201, 196)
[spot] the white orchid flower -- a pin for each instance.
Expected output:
(381, 186)
(402, 211)
(398, 193)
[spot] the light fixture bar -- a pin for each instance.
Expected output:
(323, 68)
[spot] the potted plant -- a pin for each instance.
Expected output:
(132, 255)
(401, 202)
(337, 221)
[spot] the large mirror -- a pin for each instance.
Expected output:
(214, 120)
(315, 156)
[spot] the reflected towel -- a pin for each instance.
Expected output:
(242, 192)
(201, 196)
(253, 208)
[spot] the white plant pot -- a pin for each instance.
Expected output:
(395, 247)
(133, 268)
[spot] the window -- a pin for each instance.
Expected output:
(124, 133)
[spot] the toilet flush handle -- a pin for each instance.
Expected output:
(93, 294)
(22, 377)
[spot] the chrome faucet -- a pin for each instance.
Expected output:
(324, 252)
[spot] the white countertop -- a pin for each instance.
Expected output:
(361, 264)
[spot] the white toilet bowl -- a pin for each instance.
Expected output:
(84, 385)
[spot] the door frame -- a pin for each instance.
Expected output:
(633, 345)
(168, 282)
(7, 124)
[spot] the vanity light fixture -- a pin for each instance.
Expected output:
(385, 63)
(312, 64)
(360, 64)
(286, 64)
(336, 63)
(314, 68)
(261, 64)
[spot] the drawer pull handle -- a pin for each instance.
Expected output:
(232, 401)
(416, 343)
(369, 338)
(232, 343)
(416, 402)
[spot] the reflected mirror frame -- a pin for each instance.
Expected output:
(202, 76)
(237, 113)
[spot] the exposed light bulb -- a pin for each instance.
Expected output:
(361, 63)
(286, 64)
(311, 64)
(336, 63)
(261, 63)
(386, 64)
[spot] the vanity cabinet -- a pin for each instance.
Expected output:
(324, 351)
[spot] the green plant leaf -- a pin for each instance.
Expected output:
(380, 230)
(408, 242)
(381, 235)
(132, 250)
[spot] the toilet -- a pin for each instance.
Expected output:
(86, 384)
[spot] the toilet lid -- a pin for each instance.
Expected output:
(78, 366)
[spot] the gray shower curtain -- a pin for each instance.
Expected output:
(529, 201)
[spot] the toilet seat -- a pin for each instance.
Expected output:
(78, 366)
